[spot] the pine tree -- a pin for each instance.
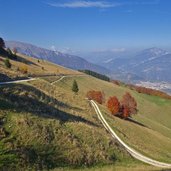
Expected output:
(75, 88)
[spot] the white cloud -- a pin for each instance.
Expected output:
(85, 4)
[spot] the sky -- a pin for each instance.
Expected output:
(85, 25)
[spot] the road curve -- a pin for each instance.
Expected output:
(58, 80)
(131, 151)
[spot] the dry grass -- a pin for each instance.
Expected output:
(33, 66)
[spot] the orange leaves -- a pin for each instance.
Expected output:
(149, 91)
(98, 96)
(125, 112)
(125, 109)
(129, 102)
(113, 105)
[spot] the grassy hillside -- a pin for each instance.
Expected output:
(45, 131)
(33, 66)
(43, 126)
(152, 136)
(46, 126)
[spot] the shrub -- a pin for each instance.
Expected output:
(7, 63)
(23, 69)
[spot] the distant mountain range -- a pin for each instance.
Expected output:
(152, 64)
(66, 60)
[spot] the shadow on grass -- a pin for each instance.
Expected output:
(23, 60)
(24, 98)
(136, 122)
(133, 121)
(4, 77)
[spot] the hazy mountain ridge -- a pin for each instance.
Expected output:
(150, 64)
(66, 60)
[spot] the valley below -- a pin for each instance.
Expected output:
(162, 86)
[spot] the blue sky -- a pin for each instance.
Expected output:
(87, 24)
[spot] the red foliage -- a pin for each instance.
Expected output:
(150, 91)
(126, 112)
(129, 102)
(113, 105)
(98, 96)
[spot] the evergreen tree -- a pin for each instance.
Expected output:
(75, 88)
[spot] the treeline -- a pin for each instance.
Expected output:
(143, 90)
(95, 74)
(150, 91)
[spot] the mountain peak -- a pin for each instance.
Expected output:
(154, 51)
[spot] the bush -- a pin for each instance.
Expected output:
(7, 63)
(23, 69)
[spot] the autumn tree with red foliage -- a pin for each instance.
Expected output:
(129, 105)
(126, 112)
(98, 96)
(113, 105)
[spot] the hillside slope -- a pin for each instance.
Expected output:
(151, 135)
(26, 66)
(46, 126)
